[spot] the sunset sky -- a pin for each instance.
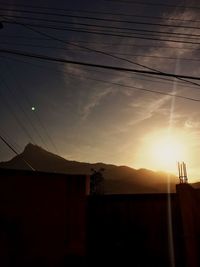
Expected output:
(93, 114)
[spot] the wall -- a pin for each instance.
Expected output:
(135, 229)
(47, 219)
(42, 217)
(189, 199)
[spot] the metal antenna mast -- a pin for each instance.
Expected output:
(182, 171)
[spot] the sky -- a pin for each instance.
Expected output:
(92, 114)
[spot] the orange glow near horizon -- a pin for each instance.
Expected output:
(167, 151)
(161, 151)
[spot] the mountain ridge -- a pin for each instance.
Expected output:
(118, 179)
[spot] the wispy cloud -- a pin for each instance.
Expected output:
(94, 100)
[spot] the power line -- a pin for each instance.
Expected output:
(180, 35)
(9, 107)
(98, 12)
(54, 59)
(80, 46)
(103, 19)
(113, 33)
(133, 87)
(8, 137)
(89, 49)
(157, 57)
(154, 4)
(100, 43)
(158, 79)
(103, 33)
(24, 37)
(150, 90)
(116, 53)
(11, 148)
(25, 114)
(100, 52)
(36, 116)
(8, 145)
(47, 134)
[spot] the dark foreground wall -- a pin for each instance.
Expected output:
(47, 219)
(136, 230)
(189, 202)
(42, 218)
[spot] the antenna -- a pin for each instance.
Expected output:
(182, 172)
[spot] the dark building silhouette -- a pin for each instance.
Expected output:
(42, 218)
(48, 219)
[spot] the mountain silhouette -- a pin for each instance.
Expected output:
(118, 179)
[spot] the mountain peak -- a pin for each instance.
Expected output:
(31, 148)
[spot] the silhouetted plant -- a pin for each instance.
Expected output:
(96, 182)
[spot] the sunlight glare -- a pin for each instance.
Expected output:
(167, 151)
(162, 150)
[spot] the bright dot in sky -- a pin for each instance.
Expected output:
(33, 108)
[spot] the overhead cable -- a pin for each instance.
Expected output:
(154, 4)
(79, 11)
(99, 51)
(82, 50)
(138, 88)
(103, 19)
(126, 86)
(55, 59)
(11, 148)
(105, 33)
(100, 43)
(177, 34)
(143, 78)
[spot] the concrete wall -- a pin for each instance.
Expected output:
(42, 218)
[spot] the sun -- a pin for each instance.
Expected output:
(166, 151)
(161, 151)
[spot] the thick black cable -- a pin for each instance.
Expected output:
(97, 12)
(102, 52)
(128, 86)
(100, 33)
(180, 35)
(11, 148)
(154, 4)
(4, 133)
(136, 34)
(160, 80)
(38, 56)
(100, 43)
(104, 19)
(82, 50)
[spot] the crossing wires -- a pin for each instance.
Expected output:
(15, 152)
